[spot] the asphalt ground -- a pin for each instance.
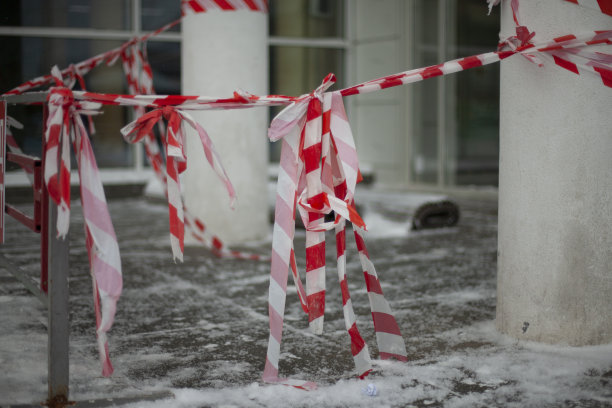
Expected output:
(202, 324)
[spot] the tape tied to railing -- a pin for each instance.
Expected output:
(64, 127)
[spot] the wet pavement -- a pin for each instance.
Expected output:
(196, 332)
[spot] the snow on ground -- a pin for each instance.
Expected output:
(195, 334)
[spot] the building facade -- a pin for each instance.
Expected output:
(441, 133)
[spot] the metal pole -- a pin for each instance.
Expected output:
(56, 251)
(58, 312)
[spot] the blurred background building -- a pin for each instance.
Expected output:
(438, 134)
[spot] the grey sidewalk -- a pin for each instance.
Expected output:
(198, 331)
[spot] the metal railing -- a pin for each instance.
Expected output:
(52, 290)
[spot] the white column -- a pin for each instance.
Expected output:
(223, 51)
(555, 189)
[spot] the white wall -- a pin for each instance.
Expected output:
(222, 51)
(555, 190)
(379, 120)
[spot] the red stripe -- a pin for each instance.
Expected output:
(276, 323)
(372, 283)
(173, 100)
(224, 5)
(384, 322)
(605, 6)
(340, 243)
(65, 183)
(606, 75)
(251, 5)
(196, 7)
(315, 256)
(357, 342)
(565, 38)
(340, 189)
(217, 244)
(505, 54)
(431, 72)
(174, 221)
(391, 83)
(314, 109)
(361, 244)
(318, 202)
(200, 225)
(573, 1)
(312, 155)
(326, 121)
(387, 356)
(316, 305)
(570, 66)
(351, 91)
(345, 292)
(470, 62)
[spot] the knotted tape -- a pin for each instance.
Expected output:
(176, 162)
(63, 127)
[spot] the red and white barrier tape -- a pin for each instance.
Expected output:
(569, 43)
(176, 162)
(108, 57)
(318, 173)
(299, 173)
(605, 6)
(63, 122)
(13, 146)
(139, 76)
(203, 6)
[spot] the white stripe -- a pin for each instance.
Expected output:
(367, 265)
(316, 325)
(315, 280)
(378, 303)
(409, 79)
(489, 58)
(314, 238)
(107, 247)
(281, 243)
(273, 351)
(362, 360)
(390, 343)
(107, 308)
(341, 267)
(176, 247)
(312, 131)
(276, 297)
(450, 67)
(349, 314)
(589, 3)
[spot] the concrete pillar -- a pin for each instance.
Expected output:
(555, 189)
(223, 51)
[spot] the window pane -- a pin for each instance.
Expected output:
(165, 60)
(477, 96)
(425, 138)
(157, 13)
(100, 14)
(33, 57)
(298, 70)
(307, 18)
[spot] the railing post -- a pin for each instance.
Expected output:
(54, 253)
(58, 312)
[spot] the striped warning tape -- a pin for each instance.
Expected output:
(63, 122)
(203, 6)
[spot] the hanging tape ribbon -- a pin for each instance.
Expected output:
(176, 162)
(63, 123)
(319, 166)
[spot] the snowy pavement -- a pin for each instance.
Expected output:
(195, 334)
